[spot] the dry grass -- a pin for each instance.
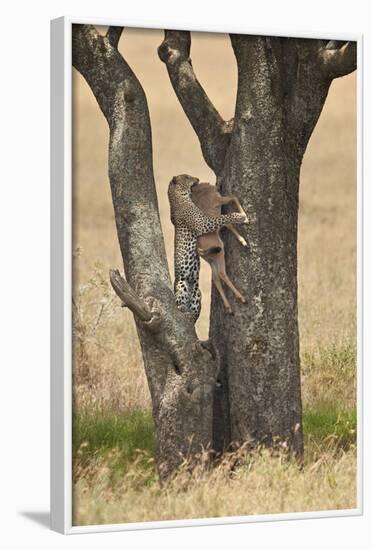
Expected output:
(107, 367)
(263, 483)
(108, 371)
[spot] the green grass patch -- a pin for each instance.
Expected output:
(130, 439)
(326, 422)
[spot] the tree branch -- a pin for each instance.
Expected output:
(113, 35)
(335, 44)
(308, 89)
(150, 317)
(213, 132)
(338, 61)
(128, 297)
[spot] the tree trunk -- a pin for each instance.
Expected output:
(260, 349)
(279, 100)
(180, 370)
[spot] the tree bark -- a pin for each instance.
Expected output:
(260, 349)
(282, 87)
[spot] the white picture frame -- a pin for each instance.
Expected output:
(61, 282)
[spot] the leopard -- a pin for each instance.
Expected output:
(190, 223)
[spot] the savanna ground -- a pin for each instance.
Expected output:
(114, 477)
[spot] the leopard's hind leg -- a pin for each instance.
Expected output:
(187, 267)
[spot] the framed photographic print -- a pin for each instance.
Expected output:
(206, 286)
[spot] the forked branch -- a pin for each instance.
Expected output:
(98, 60)
(113, 35)
(338, 60)
(213, 132)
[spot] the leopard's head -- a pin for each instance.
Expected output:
(181, 186)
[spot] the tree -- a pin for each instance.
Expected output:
(282, 86)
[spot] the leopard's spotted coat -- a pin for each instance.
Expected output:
(190, 222)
